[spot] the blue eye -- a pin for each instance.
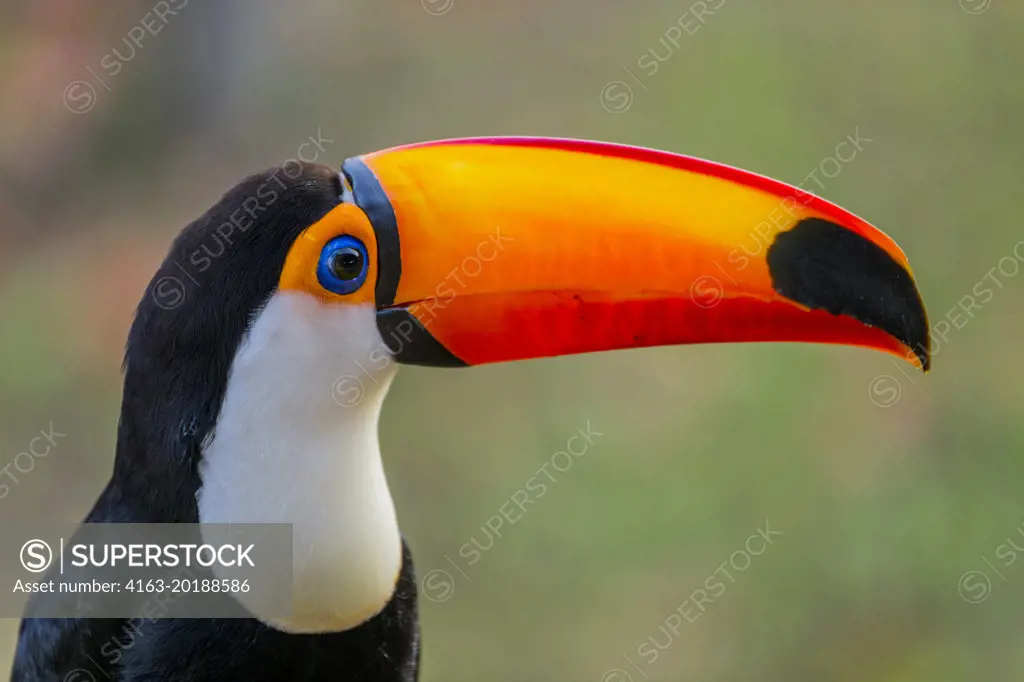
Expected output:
(343, 265)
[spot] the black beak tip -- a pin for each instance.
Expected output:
(823, 265)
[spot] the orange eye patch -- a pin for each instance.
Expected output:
(304, 258)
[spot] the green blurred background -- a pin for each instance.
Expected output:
(895, 493)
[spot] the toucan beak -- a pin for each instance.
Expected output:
(497, 249)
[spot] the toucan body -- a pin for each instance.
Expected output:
(253, 386)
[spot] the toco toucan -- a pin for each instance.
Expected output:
(236, 407)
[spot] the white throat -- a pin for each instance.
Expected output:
(285, 451)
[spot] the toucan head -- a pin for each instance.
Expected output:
(271, 332)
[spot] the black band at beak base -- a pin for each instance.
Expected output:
(370, 197)
(410, 343)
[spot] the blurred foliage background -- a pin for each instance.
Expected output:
(895, 493)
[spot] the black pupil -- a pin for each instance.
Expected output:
(346, 263)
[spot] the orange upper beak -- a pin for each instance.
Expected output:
(498, 249)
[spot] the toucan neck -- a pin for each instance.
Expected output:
(285, 451)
